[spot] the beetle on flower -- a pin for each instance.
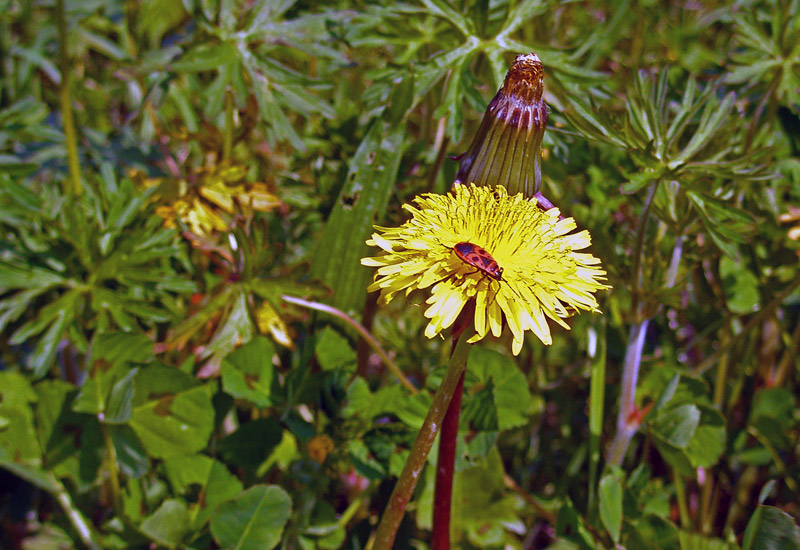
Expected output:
(535, 257)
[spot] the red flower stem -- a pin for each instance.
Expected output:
(445, 469)
(404, 489)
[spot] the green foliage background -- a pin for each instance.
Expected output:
(149, 396)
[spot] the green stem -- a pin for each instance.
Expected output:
(597, 389)
(401, 495)
(776, 457)
(627, 422)
(111, 465)
(76, 518)
(638, 248)
(70, 135)
(720, 382)
(227, 146)
(680, 494)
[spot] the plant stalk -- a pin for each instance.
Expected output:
(627, 422)
(445, 470)
(597, 388)
(680, 495)
(403, 490)
(111, 467)
(76, 519)
(70, 135)
(227, 146)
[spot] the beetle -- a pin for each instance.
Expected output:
(480, 259)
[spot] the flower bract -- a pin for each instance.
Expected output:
(543, 274)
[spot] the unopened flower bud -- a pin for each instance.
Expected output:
(507, 149)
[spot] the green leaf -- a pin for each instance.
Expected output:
(217, 484)
(364, 404)
(512, 397)
(334, 352)
(248, 372)
(18, 438)
(361, 203)
(16, 304)
(205, 57)
(252, 521)
(55, 317)
(122, 347)
(610, 493)
(252, 443)
(71, 443)
(15, 275)
(170, 420)
(650, 532)
(169, 524)
(773, 415)
(677, 425)
(120, 400)
(156, 17)
(696, 541)
(412, 410)
(237, 328)
(113, 355)
(443, 9)
(711, 121)
(708, 441)
(771, 529)
(131, 454)
(40, 478)
(401, 100)
(741, 286)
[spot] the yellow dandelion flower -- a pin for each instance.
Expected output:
(524, 266)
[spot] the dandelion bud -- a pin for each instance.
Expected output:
(507, 149)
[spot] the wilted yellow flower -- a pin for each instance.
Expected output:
(217, 195)
(543, 276)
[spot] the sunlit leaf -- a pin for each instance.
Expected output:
(254, 520)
